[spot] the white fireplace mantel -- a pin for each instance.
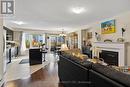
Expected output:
(114, 46)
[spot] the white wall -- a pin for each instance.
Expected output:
(1, 47)
(1, 51)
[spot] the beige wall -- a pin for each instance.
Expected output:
(79, 39)
(122, 21)
(36, 31)
(17, 36)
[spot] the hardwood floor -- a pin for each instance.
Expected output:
(47, 77)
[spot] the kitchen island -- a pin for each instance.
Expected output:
(35, 56)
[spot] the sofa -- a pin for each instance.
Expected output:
(76, 73)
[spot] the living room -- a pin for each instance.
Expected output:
(86, 37)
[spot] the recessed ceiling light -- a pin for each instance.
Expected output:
(78, 10)
(18, 22)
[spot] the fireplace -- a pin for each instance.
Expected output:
(110, 57)
(113, 52)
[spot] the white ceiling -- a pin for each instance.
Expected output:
(56, 14)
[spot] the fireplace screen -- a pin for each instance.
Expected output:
(110, 57)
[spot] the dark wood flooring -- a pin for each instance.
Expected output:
(45, 77)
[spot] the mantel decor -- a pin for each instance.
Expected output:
(98, 37)
(123, 30)
(108, 27)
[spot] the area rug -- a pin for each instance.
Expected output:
(22, 71)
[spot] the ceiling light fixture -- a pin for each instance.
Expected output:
(62, 34)
(18, 22)
(78, 10)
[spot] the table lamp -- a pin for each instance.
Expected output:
(64, 47)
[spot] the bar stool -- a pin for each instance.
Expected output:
(44, 51)
(44, 55)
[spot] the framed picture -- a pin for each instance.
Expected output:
(89, 35)
(108, 27)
